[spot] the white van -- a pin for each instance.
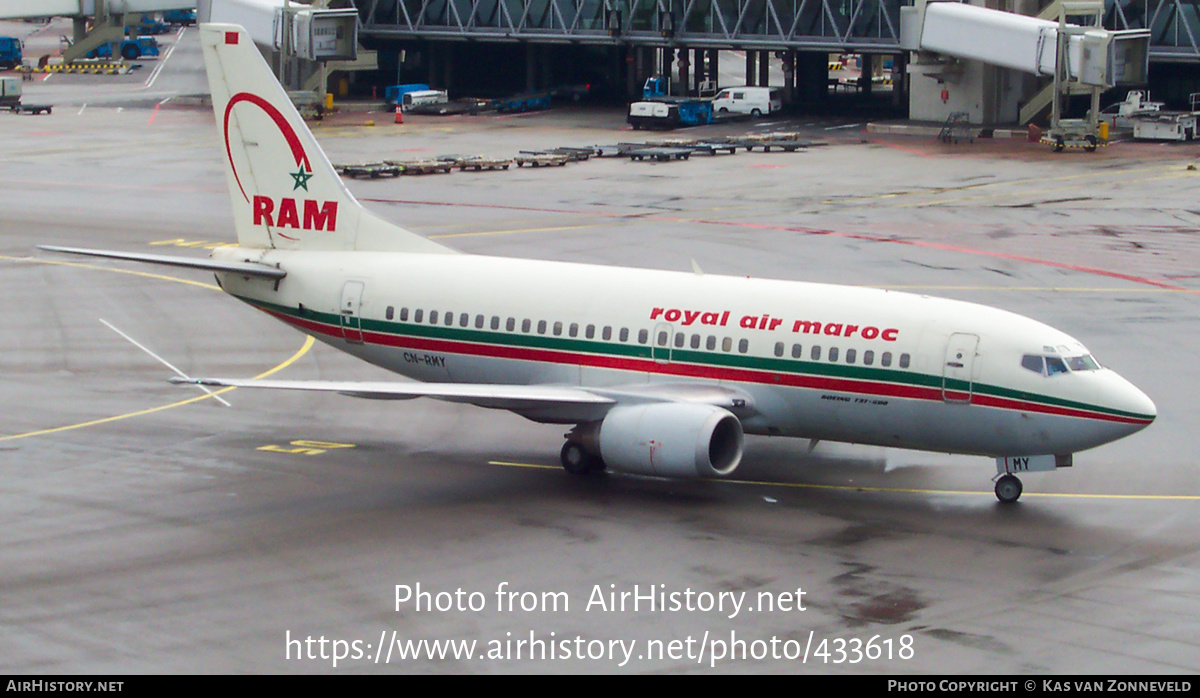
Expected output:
(422, 97)
(754, 101)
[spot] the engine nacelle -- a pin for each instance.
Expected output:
(672, 439)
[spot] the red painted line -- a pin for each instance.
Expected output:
(816, 231)
(911, 151)
(501, 207)
(965, 250)
(153, 114)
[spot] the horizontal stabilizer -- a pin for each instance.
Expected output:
(247, 268)
(498, 396)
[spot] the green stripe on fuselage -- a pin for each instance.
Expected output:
(793, 367)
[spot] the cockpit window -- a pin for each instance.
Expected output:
(1053, 365)
(1083, 363)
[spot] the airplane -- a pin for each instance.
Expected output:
(656, 372)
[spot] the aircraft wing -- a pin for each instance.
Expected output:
(553, 403)
(508, 397)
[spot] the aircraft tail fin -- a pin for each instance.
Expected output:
(285, 193)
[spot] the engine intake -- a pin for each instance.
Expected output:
(673, 439)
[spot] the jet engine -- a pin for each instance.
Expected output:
(673, 439)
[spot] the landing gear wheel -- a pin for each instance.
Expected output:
(1008, 489)
(576, 460)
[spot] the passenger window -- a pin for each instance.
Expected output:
(495, 322)
(448, 318)
(417, 314)
(624, 337)
(743, 346)
(679, 339)
(479, 322)
(557, 329)
(868, 357)
(390, 313)
(796, 351)
(541, 327)
(643, 336)
(526, 324)
(433, 316)
(510, 324)
(1033, 363)
(711, 342)
(573, 330)
(606, 334)
(1055, 365)
(904, 360)
(590, 332)
(815, 353)
(727, 344)
(778, 348)
(885, 359)
(465, 319)
(833, 353)
(695, 341)
(404, 315)
(851, 354)
(662, 339)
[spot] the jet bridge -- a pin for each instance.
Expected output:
(96, 22)
(986, 62)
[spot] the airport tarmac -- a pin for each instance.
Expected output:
(145, 529)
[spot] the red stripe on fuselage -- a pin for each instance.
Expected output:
(642, 365)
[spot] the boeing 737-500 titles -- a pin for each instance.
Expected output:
(657, 373)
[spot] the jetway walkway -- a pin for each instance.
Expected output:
(1096, 56)
(1081, 56)
(832, 25)
(25, 9)
(96, 22)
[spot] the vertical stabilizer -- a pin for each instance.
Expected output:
(285, 193)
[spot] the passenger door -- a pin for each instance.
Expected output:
(958, 367)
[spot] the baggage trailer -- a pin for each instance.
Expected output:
(533, 101)
(10, 98)
(30, 108)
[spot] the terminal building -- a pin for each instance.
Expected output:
(491, 48)
(501, 45)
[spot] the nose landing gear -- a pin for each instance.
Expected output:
(1008, 488)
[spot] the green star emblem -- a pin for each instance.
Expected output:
(301, 178)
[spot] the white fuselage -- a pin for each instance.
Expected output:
(818, 361)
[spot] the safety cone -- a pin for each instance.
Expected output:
(399, 115)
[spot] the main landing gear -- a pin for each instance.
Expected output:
(579, 461)
(1008, 488)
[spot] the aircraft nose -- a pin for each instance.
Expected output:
(1136, 405)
